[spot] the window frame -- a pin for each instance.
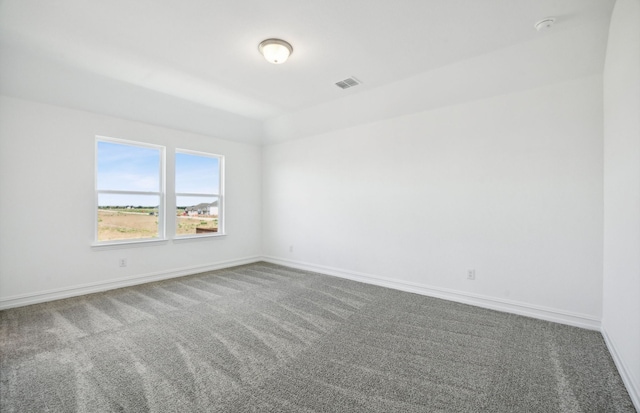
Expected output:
(161, 192)
(219, 195)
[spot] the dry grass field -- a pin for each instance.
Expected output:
(187, 225)
(119, 225)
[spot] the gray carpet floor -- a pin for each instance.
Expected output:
(266, 338)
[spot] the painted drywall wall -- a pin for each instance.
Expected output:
(47, 208)
(621, 284)
(510, 186)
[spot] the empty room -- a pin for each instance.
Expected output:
(320, 206)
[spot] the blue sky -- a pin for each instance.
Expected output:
(197, 174)
(133, 168)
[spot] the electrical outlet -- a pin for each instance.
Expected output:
(471, 274)
(122, 262)
(290, 248)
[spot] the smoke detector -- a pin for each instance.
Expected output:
(545, 24)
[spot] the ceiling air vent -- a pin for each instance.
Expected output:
(348, 82)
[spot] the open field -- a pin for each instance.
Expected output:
(121, 225)
(187, 225)
(115, 225)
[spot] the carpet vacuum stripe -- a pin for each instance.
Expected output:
(267, 338)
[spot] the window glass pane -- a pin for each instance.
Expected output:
(122, 217)
(128, 168)
(197, 215)
(197, 174)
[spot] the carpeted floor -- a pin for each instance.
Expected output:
(265, 338)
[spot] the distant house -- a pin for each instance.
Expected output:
(202, 209)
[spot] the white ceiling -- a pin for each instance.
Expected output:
(194, 64)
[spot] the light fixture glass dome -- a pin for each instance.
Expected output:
(275, 51)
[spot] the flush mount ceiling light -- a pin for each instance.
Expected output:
(276, 51)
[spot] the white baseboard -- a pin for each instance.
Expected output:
(508, 306)
(525, 309)
(544, 313)
(60, 293)
(633, 388)
(549, 314)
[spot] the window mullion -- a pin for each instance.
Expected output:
(195, 194)
(118, 192)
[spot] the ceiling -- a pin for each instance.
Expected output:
(194, 64)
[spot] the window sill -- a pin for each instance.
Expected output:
(190, 238)
(98, 246)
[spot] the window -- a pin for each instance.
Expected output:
(129, 191)
(199, 194)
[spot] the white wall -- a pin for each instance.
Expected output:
(510, 186)
(46, 203)
(621, 292)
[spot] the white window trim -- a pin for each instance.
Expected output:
(162, 195)
(221, 208)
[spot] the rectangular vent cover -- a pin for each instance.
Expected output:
(348, 82)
